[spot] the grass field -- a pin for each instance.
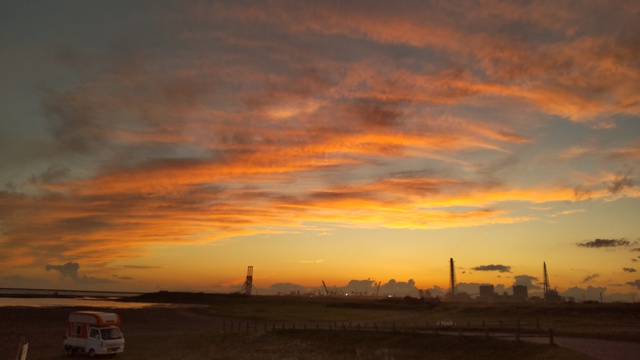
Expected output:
(298, 328)
(604, 321)
(347, 345)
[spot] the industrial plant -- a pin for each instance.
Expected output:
(486, 292)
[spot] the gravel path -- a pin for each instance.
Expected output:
(597, 349)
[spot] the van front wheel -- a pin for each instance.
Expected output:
(92, 353)
(69, 350)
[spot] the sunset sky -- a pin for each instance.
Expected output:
(168, 145)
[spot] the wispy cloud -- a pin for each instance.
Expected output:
(317, 261)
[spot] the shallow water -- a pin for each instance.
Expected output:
(78, 302)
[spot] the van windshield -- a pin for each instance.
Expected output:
(110, 334)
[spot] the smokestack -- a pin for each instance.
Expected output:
(453, 277)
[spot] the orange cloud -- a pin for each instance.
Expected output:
(287, 114)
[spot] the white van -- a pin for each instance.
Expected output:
(94, 333)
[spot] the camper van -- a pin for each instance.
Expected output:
(93, 333)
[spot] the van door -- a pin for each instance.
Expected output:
(93, 341)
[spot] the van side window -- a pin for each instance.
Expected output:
(95, 334)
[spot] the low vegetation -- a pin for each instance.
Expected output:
(260, 327)
(337, 345)
(595, 320)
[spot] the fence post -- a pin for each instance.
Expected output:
(551, 342)
(518, 331)
(23, 347)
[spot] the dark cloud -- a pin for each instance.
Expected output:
(68, 270)
(580, 193)
(377, 113)
(590, 293)
(530, 282)
(634, 283)
(619, 183)
(629, 270)
(600, 243)
(635, 249)
(53, 174)
(500, 268)
(590, 277)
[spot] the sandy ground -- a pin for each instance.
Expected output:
(147, 331)
(167, 333)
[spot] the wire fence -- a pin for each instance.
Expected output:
(500, 329)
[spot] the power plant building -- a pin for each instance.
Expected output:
(520, 293)
(487, 292)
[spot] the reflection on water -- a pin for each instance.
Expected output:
(60, 302)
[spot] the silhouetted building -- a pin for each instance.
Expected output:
(520, 293)
(487, 292)
(552, 296)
